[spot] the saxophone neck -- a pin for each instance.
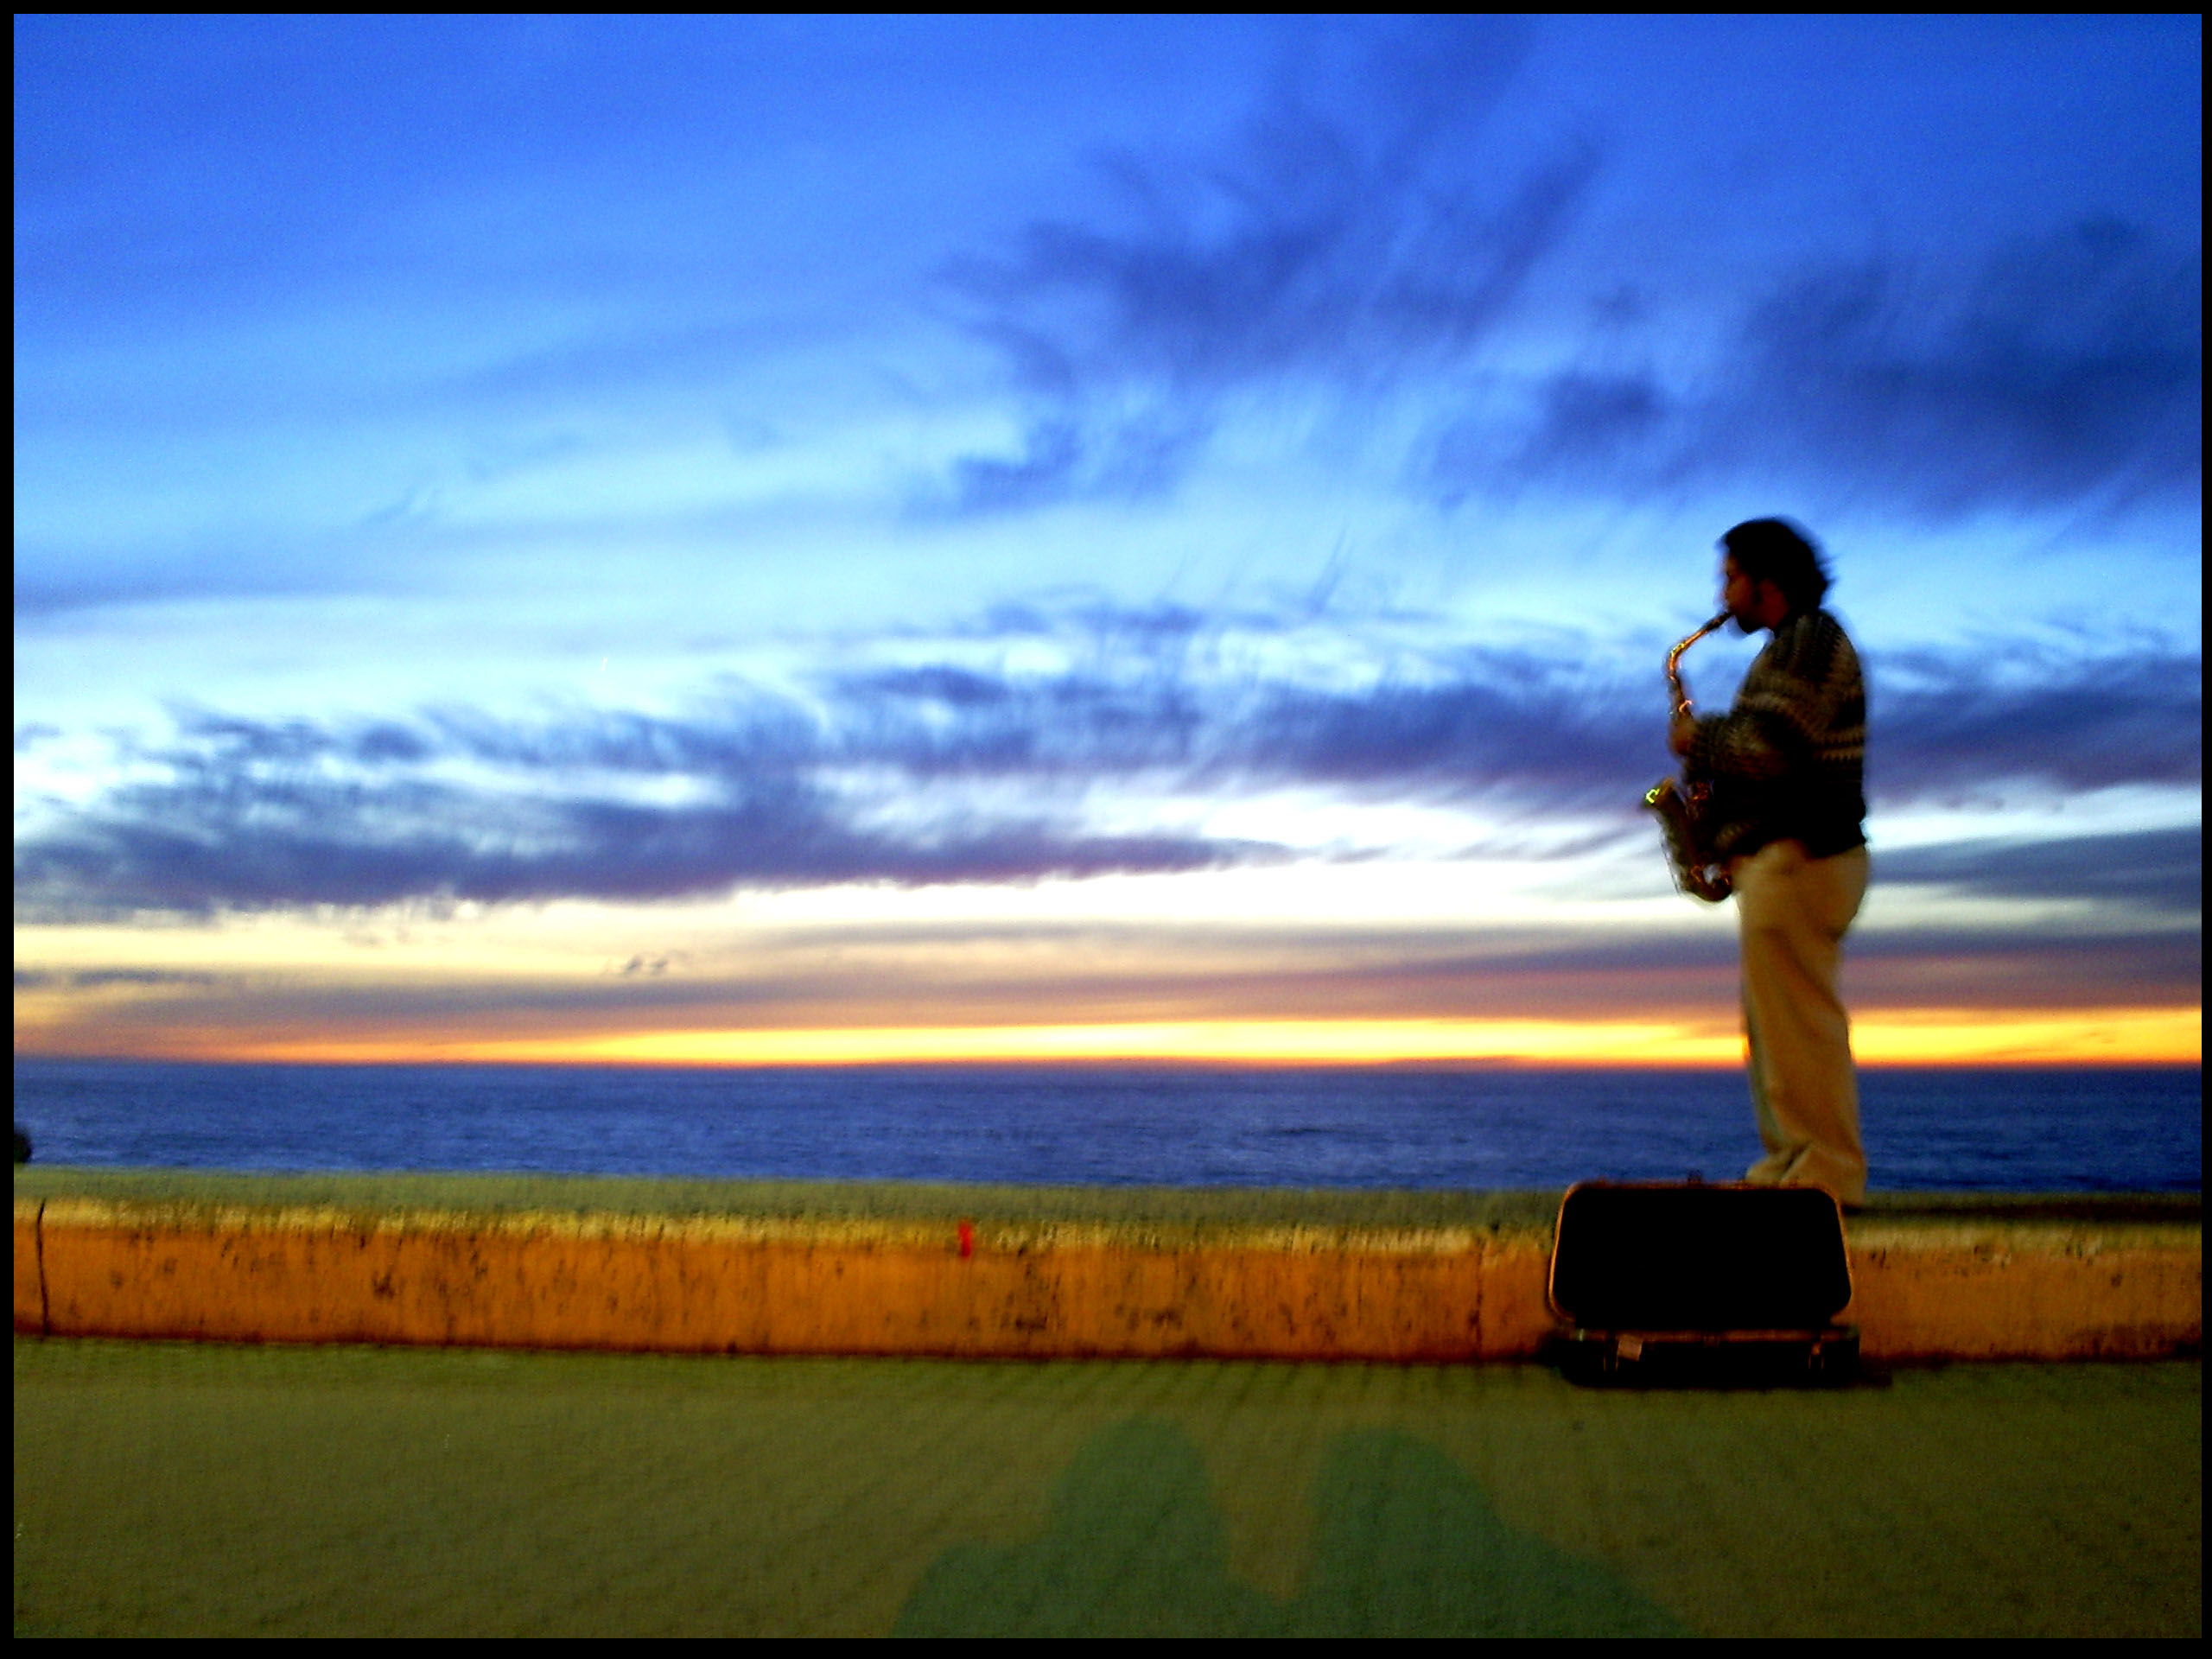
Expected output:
(1704, 628)
(1674, 659)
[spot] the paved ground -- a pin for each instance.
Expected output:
(166, 1489)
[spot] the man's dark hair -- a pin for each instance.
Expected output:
(1776, 551)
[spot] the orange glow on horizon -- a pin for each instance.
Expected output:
(1924, 1037)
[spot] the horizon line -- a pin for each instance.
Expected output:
(1955, 1037)
(1100, 1063)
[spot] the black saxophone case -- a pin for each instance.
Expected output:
(1698, 1285)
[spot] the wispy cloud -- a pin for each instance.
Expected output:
(922, 772)
(859, 977)
(1349, 250)
(1376, 258)
(92, 979)
(244, 839)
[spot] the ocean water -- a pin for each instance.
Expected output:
(2073, 1130)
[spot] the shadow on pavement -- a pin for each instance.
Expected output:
(1405, 1543)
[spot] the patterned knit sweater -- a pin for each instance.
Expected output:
(1787, 762)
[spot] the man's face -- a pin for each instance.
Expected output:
(1746, 600)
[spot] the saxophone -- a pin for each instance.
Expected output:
(1682, 806)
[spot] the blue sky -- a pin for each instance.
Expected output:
(627, 525)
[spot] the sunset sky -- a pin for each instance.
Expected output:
(781, 540)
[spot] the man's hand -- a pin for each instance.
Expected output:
(1683, 733)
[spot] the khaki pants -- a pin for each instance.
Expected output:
(1792, 912)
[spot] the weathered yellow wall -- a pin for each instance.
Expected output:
(1926, 1288)
(30, 1296)
(1954, 1289)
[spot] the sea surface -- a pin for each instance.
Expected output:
(2072, 1130)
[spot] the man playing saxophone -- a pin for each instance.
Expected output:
(1785, 815)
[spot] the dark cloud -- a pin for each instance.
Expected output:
(951, 772)
(2158, 869)
(1658, 973)
(88, 979)
(2064, 369)
(251, 841)
(1353, 247)
(255, 814)
(2071, 964)
(1369, 238)
(1949, 726)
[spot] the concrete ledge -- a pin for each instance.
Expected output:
(839, 1268)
